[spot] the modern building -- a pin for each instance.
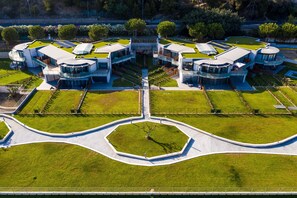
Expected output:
(72, 63)
(216, 62)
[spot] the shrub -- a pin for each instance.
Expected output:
(98, 32)
(10, 35)
(36, 32)
(166, 28)
(135, 26)
(67, 32)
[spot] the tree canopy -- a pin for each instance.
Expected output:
(135, 26)
(98, 32)
(269, 30)
(166, 28)
(10, 35)
(198, 31)
(36, 32)
(67, 32)
(215, 31)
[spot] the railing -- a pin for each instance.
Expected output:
(78, 75)
(39, 62)
(239, 73)
(16, 57)
(213, 75)
(123, 58)
(278, 61)
(172, 60)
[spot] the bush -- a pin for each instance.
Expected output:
(10, 35)
(198, 31)
(269, 30)
(98, 32)
(166, 28)
(215, 31)
(36, 32)
(135, 26)
(67, 32)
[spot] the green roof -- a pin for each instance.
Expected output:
(190, 44)
(40, 43)
(249, 43)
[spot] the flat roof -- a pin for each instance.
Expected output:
(246, 42)
(179, 48)
(206, 48)
(74, 62)
(233, 54)
(110, 48)
(269, 50)
(213, 62)
(55, 52)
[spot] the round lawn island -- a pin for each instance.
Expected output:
(148, 140)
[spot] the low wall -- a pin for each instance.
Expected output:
(24, 101)
(8, 135)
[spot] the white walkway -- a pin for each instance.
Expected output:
(202, 143)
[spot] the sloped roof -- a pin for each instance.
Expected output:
(84, 48)
(233, 54)
(213, 62)
(55, 52)
(206, 48)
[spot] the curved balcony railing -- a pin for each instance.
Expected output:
(78, 75)
(15, 56)
(279, 60)
(213, 75)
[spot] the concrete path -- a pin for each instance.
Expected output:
(201, 144)
(145, 94)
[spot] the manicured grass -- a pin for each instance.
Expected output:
(4, 67)
(290, 93)
(147, 139)
(245, 42)
(39, 43)
(52, 166)
(34, 83)
(65, 101)
(36, 102)
(117, 102)
(3, 130)
(14, 77)
(178, 102)
(252, 129)
(263, 101)
(282, 97)
(169, 83)
(227, 101)
(121, 82)
(66, 123)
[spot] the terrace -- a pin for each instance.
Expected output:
(249, 43)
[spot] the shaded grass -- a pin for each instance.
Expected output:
(12, 78)
(251, 129)
(36, 102)
(178, 102)
(66, 123)
(121, 82)
(245, 42)
(227, 101)
(117, 102)
(3, 130)
(36, 165)
(65, 101)
(133, 139)
(263, 101)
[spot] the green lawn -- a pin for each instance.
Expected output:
(117, 102)
(245, 42)
(66, 123)
(36, 102)
(290, 93)
(252, 129)
(282, 97)
(54, 166)
(227, 101)
(121, 82)
(147, 139)
(65, 101)
(5, 67)
(14, 78)
(35, 82)
(263, 101)
(3, 130)
(178, 102)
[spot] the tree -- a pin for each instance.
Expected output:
(97, 32)
(269, 30)
(67, 32)
(289, 30)
(215, 31)
(10, 35)
(291, 19)
(36, 32)
(49, 6)
(135, 26)
(166, 28)
(198, 31)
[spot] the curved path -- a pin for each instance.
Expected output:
(202, 143)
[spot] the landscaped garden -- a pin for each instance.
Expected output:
(34, 167)
(227, 101)
(147, 139)
(3, 130)
(178, 102)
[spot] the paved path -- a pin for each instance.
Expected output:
(201, 144)
(145, 94)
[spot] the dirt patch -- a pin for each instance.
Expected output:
(291, 54)
(6, 101)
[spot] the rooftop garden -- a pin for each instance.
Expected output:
(250, 43)
(190, 44)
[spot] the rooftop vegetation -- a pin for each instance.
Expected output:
(249, 43)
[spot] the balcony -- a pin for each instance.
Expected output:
(15, 56)
(172, 60)
(99, 73)
(239, 72)
(213, 75)
(116, 60)
(279, 60)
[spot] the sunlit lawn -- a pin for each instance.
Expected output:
(36, 102)
(3, 130)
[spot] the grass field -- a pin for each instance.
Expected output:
(65, 101)
(40, 165)
(121, 82)
(133, 139)
(290, 93)
(37, 101)
(252, 129)
(10, 79)
(66, 123)
(263, 101)
(227, 101)
(282, 97)
(3, 130)
(117, 102)
(178, 102)
(245, 42)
